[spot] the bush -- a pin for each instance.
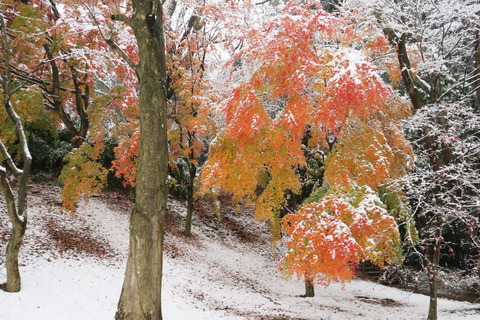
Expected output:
(107, 157)
(178, 179)
(48, 151)
(43, 177)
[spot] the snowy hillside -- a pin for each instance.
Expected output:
(72, 268)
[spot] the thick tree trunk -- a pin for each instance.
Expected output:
(141, 292)
(190, 201)
(309, 289)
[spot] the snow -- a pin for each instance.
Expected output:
(355, 61)
(57, 289)
(214, 275)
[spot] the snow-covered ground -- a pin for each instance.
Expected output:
(228, 270)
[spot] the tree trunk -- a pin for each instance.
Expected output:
(433, 280)
(309, 289)
(190, 200)
(141, 292)
(16, 238)
(400, 44)
(13, 249)
(17, 211)
(476, 83)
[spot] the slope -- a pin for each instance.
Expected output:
(72, 268)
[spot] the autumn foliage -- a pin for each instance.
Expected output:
(329, 237)
(297, 79)
(308, 69)
(371, 151)
(304, 82)
(61, 64)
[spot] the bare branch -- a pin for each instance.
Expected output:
(121, 53)
(115, 17)
(121, 17)
(262, 2)
(9, 159)
(459, 84)
(54, 9)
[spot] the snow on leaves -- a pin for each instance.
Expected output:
(329, 237)
(308, 69)
(298, 78)
(354, 89)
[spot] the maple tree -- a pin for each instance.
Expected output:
(191, 96)
(304, 75)
(53, 54)
(59, 54)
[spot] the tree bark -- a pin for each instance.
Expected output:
(17, 211)
(400, 44)
(433, 280)
(141, 292)
(309, 289)
(476, 83)
(190, 199)
(16, 238)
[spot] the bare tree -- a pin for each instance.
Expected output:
(436, 46)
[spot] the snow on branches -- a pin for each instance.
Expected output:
(446, 183)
